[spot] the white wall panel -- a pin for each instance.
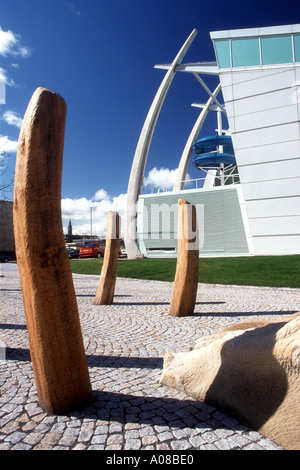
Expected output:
(254, 84)
(227, 92)
(260, 73)
(267, 153)
(271, 189)
(266, 136)
(275, 225)
(230, 109)
(288, 206)
(270, 171)
(270, 117)
(297, 73)
(275, 100)
(277, 245)
(226, 79)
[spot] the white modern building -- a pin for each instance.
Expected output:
(251, 207)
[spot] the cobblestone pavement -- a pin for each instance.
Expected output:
(125, 345)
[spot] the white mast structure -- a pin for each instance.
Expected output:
(139, 162)
(140, 158)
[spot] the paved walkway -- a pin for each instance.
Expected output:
(125, 345)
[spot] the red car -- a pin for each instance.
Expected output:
(94, 250)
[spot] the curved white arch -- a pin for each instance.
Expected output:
(187, 152)
(139, 161)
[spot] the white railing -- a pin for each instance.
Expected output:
(198, 183)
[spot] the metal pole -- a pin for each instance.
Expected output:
(91, 223)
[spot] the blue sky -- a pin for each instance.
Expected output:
(100, 57)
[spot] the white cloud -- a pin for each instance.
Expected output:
(4, 78)
(163, 178)
(10, 45)
(100, 194)
(12, 119)
(7, 145)
(79, 211)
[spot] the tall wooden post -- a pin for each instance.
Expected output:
(55, 339)
(106, 287)
(187, 267)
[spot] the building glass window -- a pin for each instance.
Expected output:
(276, 50)
(297, 47)
(245, 52)
(223, 53)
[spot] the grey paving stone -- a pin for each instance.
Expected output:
(125, 345)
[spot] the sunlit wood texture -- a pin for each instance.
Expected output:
(187, 267)
(106, 287)
(56, 344)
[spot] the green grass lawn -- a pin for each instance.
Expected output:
(273, 271)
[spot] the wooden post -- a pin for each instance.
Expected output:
(187, 267)
(106, 287)
(55, 339)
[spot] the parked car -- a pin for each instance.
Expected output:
(5, 258)
(123, 252)
(94, 250)
(73, 253)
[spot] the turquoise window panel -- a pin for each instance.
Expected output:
(223, 54)
(297, 47)
(245, 52)
(277, 50)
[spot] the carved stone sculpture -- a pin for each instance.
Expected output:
(250, 370)
(187, 267)
(55, 339)
(106, 287)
